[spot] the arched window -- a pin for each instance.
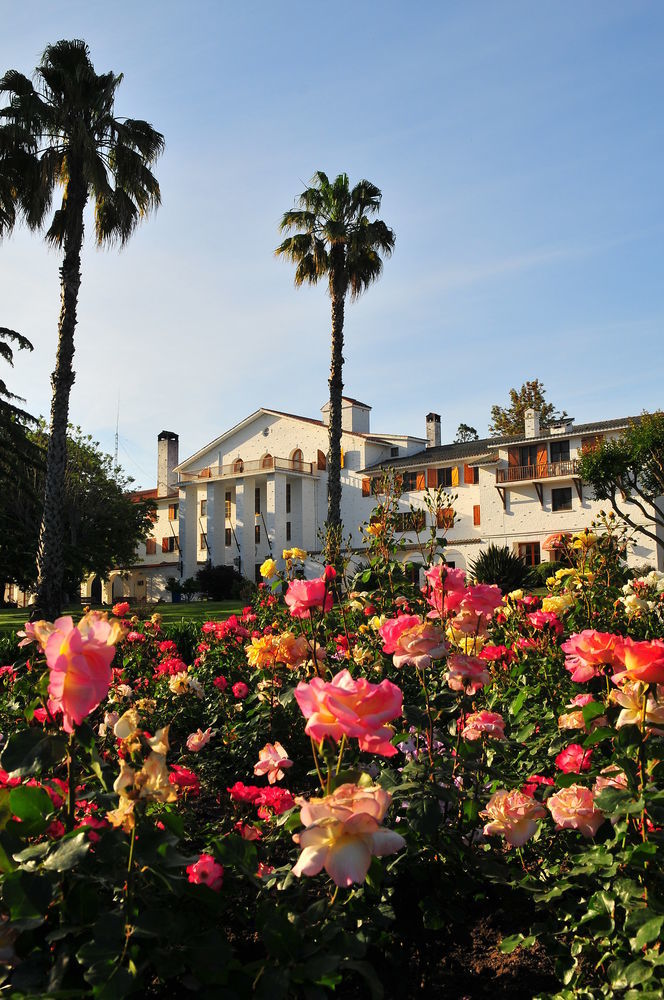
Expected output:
(321, 460)
(267, 461)
(238, 465)
(297, 458)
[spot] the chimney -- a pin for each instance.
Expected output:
(433, 430)
(167, 459)
(531, 423)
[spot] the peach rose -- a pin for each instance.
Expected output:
(79, 660)
(352, 708)
(573, 808)
(466, 673)
(630, 698)
(343, 832)
(419, 645)
(513, 816)
(589, 650)
(642, 661)
(479, 724)
(272, 760)
(390, 630)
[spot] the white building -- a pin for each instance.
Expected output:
(520, 491)
(261, 486)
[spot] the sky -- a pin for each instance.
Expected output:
(519, 151)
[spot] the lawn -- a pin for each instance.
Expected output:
(12, 619)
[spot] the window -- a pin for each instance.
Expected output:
(228, 536)
(257, 573)
(267, 462)
(476, 514)
(394, 453)
(173, 511)
(561, 499)
(203, 508)
(444, 477)
(238, 465)
(528, 454)
(410, 521)
(445, 518)
(366, 487)
(227, 505)
(321, 460)
(590, 443)
(288, 531)
(288, 498)
(471, 475)
(257, 534)
(297, 458)
(169, 543)
(559, 451)
(530, 553)
(411, 481)
(257, 500)
(203, 541)
(150, 546)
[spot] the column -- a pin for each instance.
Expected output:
(275, 514)
(216, 522)
(308, 509)
(240, 518)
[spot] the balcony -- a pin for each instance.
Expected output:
(532, 473)
(266, 465)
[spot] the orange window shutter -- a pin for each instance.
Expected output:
(513, 456)
(476, 514)
(432, 479)
(455, 475)
(542, 457)
(468, 474)
(420, 483)
(164, 544)
(366, 487)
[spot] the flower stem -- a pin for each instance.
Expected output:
(71, 783)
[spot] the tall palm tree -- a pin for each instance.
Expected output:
(334, 237)
(62, 133)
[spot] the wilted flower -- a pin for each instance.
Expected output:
(196, 741)
(272, 760)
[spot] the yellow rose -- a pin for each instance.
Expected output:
(268, 569)
(584, 539)
(300, 554)
(557, 604)
(550, 581)
(515, 595)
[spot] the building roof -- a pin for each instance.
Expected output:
(483, 450)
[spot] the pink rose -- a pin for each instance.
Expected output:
(392, 629)
(79, 661)
(445, 589)
(642, 661)
(534, 782)
(479, 724)
(574, 759)
(136, 637)
(121, 609)
(185, 780)
(168, 646)
(587, 651)
(221, 683)
(352, 708)
(545, 619)
(240, 690)
(207, 872)
(573, 808)
(343, 832)
(513, 816)
(303, 595)
(418, 645)
(272, 760)
(466, 673)
(196, 741)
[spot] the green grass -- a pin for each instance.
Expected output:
(12, 619)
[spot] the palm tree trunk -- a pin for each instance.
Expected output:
(337, 295)
(50, 562)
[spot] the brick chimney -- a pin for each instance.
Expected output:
(433, 430)
(531, 423)
(167, 459)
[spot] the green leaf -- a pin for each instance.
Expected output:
(27, 896)
(34, 808)
(31, 750)
(647, 932)
(68, 853)
(637, 972)
(525, 733)
(517, 703)
(599, 735)
(592, 711)
(514, 941)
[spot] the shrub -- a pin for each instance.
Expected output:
(219, 583)
(501, 566)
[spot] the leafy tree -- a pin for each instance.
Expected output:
(509, 420)
(61, 132)
(102, 523)
(628, 471)
(465, 433)
(219, 583)
(336, 239)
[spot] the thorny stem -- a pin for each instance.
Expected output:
(342, 747)
(642, 761)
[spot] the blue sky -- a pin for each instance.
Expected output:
(519, 149)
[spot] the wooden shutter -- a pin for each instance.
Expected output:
(468, 474)
(420, 483)
(205, 473)
(366, 487)
(476, 514)
(432, 478)
(513, 456)
(342, 458)
(542, 460)
(445, 518)
(590, 443)
(150, 546)
(455, 475)
(164, 544)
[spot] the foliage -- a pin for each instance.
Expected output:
(103, 523)
(628, 471)
(336, 238)
(465, 433)
(498, 564)
(509, 420)
(95, 909)
(219, 583)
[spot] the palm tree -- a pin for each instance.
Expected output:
(336, 238)
(62, 132)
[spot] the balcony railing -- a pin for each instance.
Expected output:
(242, 468)
(547, 470)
